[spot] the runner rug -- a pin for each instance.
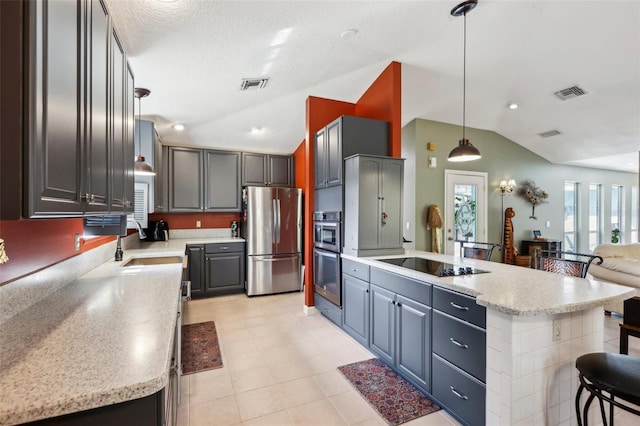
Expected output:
(395, 399)
(200, 348)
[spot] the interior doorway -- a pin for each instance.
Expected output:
(465, 200)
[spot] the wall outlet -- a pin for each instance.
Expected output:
(548, 224)
(77, 242)
(556, 330)
(198, 224)
(408, 225)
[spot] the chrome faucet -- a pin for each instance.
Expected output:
(141, 233)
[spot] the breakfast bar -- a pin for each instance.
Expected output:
(537, 324)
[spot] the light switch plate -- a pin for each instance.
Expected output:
(77, 242)
(433, 162)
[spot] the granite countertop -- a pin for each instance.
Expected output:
(102, 339)
(512, 289)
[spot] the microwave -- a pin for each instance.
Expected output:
(327, 231)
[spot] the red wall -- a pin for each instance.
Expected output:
(35, 244)
(188, 220)
(381, 101)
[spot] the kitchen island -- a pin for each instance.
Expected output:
(104, 338)
(537, 324)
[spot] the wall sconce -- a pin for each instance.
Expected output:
(507, 187)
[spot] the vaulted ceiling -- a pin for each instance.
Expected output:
(193, 55)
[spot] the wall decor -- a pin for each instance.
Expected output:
(534, 195)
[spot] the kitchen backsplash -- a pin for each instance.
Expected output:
(200, 233)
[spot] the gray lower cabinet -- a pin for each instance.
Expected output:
(260, 169)
(459, 355)
(355, 312)
(224, 268)
(196, 269)
(401, 325)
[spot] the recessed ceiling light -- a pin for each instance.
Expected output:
(178, 127)
(513, 105)
(351, 33)
(257, 130)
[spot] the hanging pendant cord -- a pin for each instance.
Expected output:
(138, 126)
(464, 76)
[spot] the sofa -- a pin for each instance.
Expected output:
(621, 266)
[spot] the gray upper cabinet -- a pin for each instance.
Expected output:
(203, 180)
(222, 174)
(55, 108)
(149, 145)
(266, 170)
(129, 140)
(186, 180)
(343, 137)
(373, 205)
(76, 111)
(97, 182)
(161, 179)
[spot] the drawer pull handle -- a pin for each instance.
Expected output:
(455, 342)
(354, 269)
(462, 308)
(224, 248)
(458, 394)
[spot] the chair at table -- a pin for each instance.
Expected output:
(564, 262)
(602, 373)
(630, 323)
(478, 250)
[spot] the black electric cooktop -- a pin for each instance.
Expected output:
(433, 267)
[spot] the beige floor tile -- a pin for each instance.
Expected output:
(372, 421)
(318, 413)
(332, 383)
(209, 385)
(353, 407)
(281, 354)
(281, 418)
(244, 361)
(217, 412)
(254, 378)
(433, 419)
(273, 341)
(300, 391)
(233, 335)
(289, 370)
(259, 402)
(238, 346)
(307, 346)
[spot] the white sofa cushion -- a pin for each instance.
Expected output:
(631, 251)
(624, 265)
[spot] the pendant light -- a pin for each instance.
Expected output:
(141, 167)
(465, 151)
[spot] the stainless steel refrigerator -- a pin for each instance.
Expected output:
(272, 228)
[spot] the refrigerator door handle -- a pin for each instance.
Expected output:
(274, 259)
(278, 222)
(275, 220)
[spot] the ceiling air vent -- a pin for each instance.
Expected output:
(549, 133)
(253, 83)
(570, 93)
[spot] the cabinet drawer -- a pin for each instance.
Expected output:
(328, 309)
(459, 392)
(223, 247)
(460, 343)
(356, 269)
(460, 306)
(407, 287)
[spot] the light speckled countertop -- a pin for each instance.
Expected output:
(102, 339)
(513, 289)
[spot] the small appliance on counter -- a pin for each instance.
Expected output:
(157, 231)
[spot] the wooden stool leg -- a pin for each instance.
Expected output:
(578, 415)
(624, 341)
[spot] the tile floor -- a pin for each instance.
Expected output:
(280, 368)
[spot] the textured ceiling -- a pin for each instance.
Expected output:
(192, 55)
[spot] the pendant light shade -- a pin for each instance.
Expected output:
(141, 167)
(465, 151)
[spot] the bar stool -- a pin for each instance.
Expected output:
(616, 374)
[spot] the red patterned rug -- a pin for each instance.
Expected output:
(397, 400)
(200, 348)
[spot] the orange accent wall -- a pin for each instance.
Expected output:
(381, 101)
(300, 167)
(188, 220)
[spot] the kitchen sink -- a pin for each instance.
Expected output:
(161, 260)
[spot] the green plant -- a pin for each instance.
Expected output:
(615, 236)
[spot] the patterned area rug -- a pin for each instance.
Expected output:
(397, 400)
(200, 348)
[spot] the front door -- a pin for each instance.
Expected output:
(465, 208)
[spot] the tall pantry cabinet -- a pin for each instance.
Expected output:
(373, 205)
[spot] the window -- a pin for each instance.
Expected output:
(570, 221)
(616, 214)
(595, 191)
(634, 214)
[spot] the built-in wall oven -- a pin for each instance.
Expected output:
(326, 255)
